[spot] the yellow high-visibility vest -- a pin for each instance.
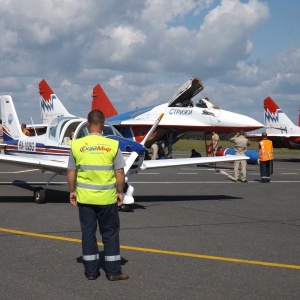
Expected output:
(95, 176)
(266, 150)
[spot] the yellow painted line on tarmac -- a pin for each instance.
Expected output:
(150, 250)
(46, 236)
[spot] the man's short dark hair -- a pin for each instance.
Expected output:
(242, 132)
(96, 117)
(264, 135)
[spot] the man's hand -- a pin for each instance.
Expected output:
(119, 199)
(73, 198)
(120, 182)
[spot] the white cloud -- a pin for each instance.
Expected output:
(123, 40)
(140, 51)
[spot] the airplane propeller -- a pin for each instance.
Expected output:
(143, 142)
(128, 198)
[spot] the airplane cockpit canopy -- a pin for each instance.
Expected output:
(201, 103)
(186, 92)
(108, 129)
(64, 129)
(59, 126)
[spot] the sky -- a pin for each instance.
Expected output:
(141, 52)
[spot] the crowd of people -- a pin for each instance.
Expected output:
(241, 144)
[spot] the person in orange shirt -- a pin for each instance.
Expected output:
(24, 130)
(266, 158)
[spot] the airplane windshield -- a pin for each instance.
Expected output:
(201, 103)
(56, 127)
(107, 130)
(110, 130)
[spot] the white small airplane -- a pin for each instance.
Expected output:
(50, 151)
(181, 115)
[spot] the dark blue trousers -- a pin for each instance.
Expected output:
(107, 217)
(266, 170)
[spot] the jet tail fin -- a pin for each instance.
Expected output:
(11, 126)
(101, 102)
(51, 107)
(276, 120)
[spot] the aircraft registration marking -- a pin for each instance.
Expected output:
(181, 112)
(26, 146)
(151, 250)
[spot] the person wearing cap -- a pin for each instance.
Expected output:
(240, 147)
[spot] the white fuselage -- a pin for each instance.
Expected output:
(196, 118)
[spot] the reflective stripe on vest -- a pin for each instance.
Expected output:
(266, 150)
(86, 168)
(96, 187)
(95, 177)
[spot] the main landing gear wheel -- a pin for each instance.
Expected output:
(39, 195)
(125, 207)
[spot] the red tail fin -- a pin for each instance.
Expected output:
(45, 90)
(270, 105)
(101, 102)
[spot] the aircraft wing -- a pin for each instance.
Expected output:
(61, 167)
(162, 163)
(42, 164)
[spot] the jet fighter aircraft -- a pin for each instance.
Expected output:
(180, 116)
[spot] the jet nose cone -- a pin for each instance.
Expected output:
(252, 123)
(237, 122)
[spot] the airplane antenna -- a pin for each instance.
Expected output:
(33, 125)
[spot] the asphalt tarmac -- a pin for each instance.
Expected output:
(192, 234)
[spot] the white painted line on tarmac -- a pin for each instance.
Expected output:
(198, 169)
(289, 173)
(149, 173)
(153, 182)
(187, 173)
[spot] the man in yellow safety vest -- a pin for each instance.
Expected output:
(96, 181)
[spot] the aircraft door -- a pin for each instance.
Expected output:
(81, 131)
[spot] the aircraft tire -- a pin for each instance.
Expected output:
(125, 207)
(39, 195)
